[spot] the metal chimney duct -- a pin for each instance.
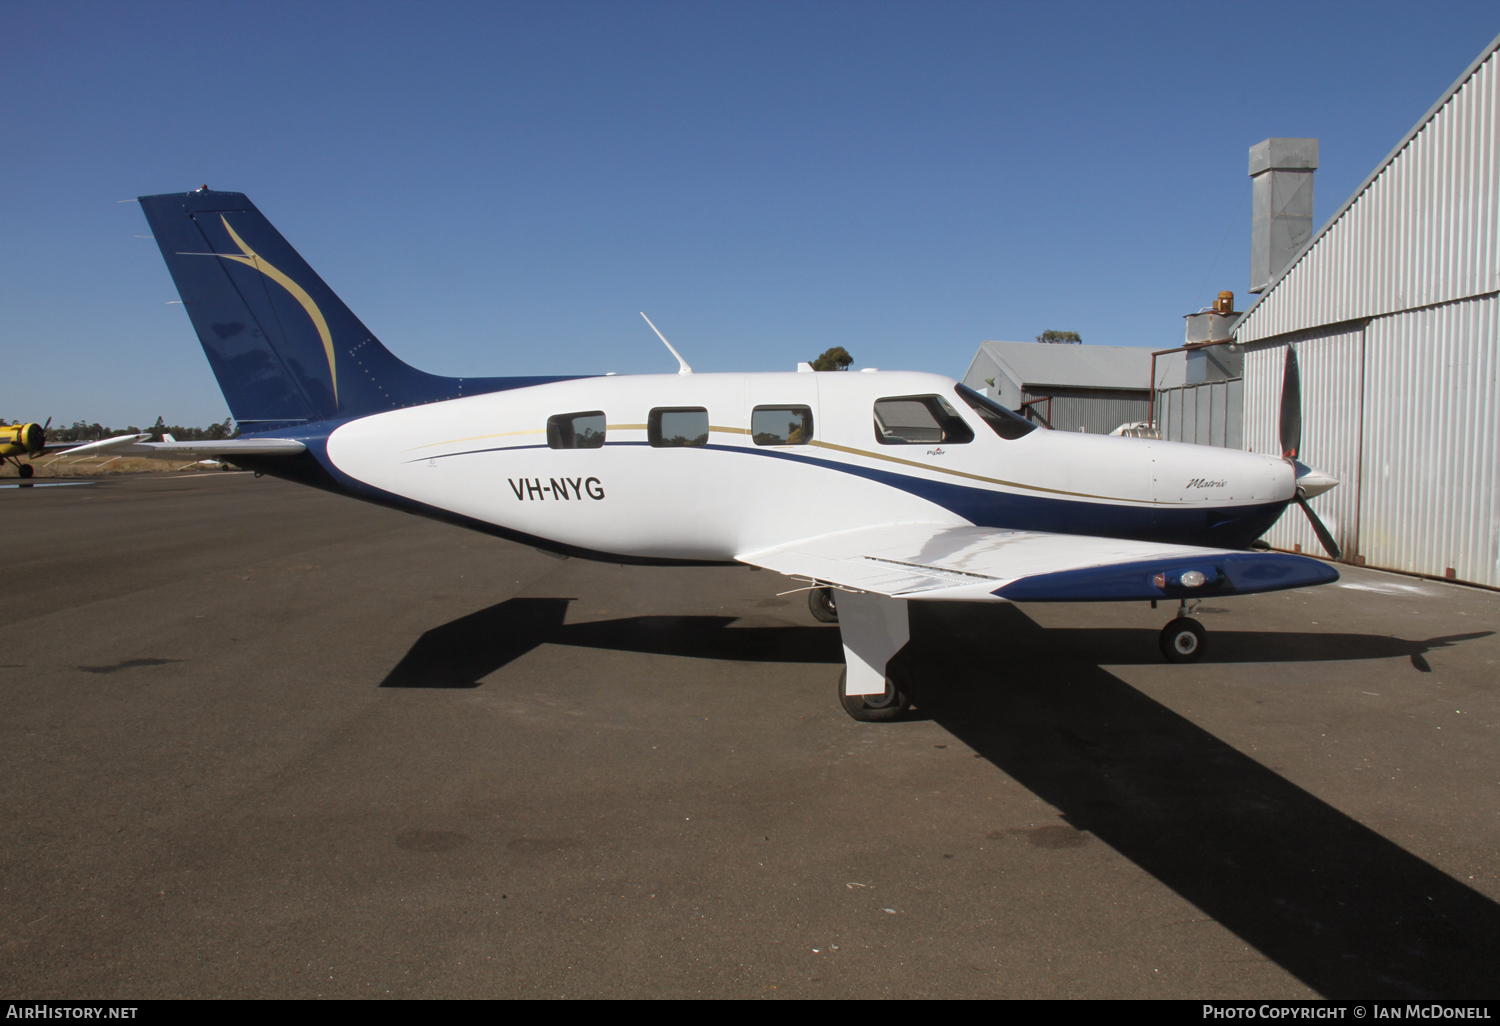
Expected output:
(1282, 218)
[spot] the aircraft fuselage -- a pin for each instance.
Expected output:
(487, 460)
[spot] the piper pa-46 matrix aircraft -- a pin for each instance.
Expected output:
(876, 488)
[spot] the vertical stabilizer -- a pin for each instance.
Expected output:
(285, 349)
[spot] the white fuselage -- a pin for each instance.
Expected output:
(487, 458)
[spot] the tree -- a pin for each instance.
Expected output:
(835, 359)
(1066, 338)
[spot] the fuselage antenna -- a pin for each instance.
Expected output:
(682, 364)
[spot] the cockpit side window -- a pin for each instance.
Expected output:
(1003, 422)
(576, 430)
(919, 420)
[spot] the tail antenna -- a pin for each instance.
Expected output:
(682, 364)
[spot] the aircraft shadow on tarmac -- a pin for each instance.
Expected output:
(459, 653)
(1342, 908)
(1346, 911)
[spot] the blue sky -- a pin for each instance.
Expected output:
(497, 188)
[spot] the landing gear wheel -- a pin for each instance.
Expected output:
(25, 470)
(1182, 640)
(824, 608)
(874, 708)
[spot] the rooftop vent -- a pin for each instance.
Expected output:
(1281, 222)
(1212, 324)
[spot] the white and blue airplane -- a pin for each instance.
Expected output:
(874, 489)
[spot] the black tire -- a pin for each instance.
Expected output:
(1182, 640)
(884, 708)
(823, 605)
(25, 470)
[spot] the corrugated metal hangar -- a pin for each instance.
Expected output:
(1392, 310)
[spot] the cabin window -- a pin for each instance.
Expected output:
(919, 420)
(677, 426)
(576, 430)
(781, 425)
(1005, 423)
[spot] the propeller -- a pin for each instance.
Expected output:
(1291, 407)
(1291, 445)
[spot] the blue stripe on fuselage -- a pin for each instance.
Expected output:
(1227, 527)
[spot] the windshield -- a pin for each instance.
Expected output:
(1005, 423)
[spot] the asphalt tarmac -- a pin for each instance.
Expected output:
(260, 741)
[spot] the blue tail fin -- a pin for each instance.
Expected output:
(285, 349)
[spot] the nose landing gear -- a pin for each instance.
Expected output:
(1182, 640)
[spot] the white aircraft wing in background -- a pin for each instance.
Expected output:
(228, 448)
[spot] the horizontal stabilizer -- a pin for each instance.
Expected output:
(136, 445)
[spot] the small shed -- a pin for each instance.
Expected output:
(1093, 389)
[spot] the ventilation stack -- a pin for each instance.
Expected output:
(1282, 219)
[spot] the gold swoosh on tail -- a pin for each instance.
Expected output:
(255, 260)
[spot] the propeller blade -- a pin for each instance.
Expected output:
(1291, 407)
(1322, 532)
(48, 424)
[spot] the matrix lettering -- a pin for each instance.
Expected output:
(558, 489)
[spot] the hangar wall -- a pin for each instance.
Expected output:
(1432, 442)
(1332, 420)
(1206, 413)
(1097, 412)
(1394, 311)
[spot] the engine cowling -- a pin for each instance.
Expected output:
(29, 438)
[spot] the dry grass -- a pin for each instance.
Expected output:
(96, 466)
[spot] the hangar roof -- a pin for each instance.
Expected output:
(1419, 231)
(1034, 364)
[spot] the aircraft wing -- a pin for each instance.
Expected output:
(136, 445)
(941, 562)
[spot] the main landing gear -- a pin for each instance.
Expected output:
(823, 605)
(882, 708)
(873, 629)
(1182, 640)
(25, 469)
